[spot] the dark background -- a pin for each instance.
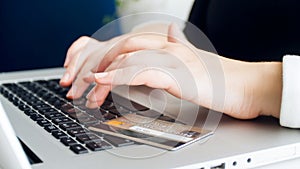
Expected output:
(37, 33)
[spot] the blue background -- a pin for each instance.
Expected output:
(37, 33)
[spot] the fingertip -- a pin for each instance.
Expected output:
(91, 105)
(72, 93)
(65, 80)
(69, 94)
(66, 65)
(99, 77)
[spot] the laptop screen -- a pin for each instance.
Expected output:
(37, 34)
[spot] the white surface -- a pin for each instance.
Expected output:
(289, 164)
(11, 152)
(180, 9)
(290, 104)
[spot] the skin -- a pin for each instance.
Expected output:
(251, 89)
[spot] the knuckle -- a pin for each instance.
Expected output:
(129, 42)
(83, 38)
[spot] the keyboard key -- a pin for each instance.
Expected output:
(78, 115)
(47, 110)
(53, 115)
(41, 92)
(34, 103)
(117, 141)
(36, 117)
(78, 149)
(29, 112)
(66, 126)
(79, 103)
(5, 93)
(67, 141)
(23, 107)
(97, 113)
(61, 120)
(76, 132)
(66, 107)
(52, 99)
(41, 107)
(87, 121)
(43, 122)
(59, 134)
(83, 118)
(47, 95)
(98, 146)
(16, 101)
(50, 128)
(59, 103)
(10, 97)
(85, 138)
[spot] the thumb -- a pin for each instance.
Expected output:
(175, 34)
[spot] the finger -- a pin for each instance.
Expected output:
(129, 44)
(74, 48)
(77, 89)
(178, 82)
(72, 70)
(89, 78)
(175, 34)
(79, 60)
(73, 52)
(97, 95)
(79, 85)
(145, 58)
(87, 54)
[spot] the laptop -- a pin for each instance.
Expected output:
(234, 144)
(32, 138)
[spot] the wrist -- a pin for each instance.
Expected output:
(271, 89)
(252, 89)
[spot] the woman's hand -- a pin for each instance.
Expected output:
(86, 56)
(176, 66)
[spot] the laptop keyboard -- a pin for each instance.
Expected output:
(44, 102)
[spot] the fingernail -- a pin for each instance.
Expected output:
(100, 75)
(72, 91)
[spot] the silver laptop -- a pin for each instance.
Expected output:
(46, 139)
(234, 144)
